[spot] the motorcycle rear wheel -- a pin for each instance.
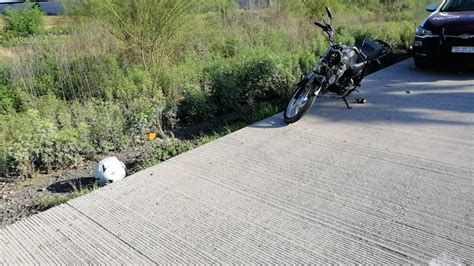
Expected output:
(300, 102)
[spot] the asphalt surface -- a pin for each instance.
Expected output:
(390, 181)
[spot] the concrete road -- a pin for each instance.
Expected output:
(390, 181)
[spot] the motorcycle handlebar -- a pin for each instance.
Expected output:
(320, 25)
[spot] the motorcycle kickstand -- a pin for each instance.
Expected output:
(347, 104)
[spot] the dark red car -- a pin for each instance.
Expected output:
(447, 35)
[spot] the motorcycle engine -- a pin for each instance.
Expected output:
(336, 68)
(335, 73)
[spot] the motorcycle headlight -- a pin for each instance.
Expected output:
(423, 32)
(321, 68)
(335, 58)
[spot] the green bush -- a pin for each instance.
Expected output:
(95, 76)
(69, 97)
(260, 80)
(196, 105)
(142, 116)
(225, 92)
(248, 82)
(27, 20)
(169, 113)
(107, 126)
(79, 78)
(7, 99)
(68, 148)
(39, 146)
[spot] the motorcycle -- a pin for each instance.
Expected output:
(339, 70)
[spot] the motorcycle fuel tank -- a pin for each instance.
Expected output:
(349, 57)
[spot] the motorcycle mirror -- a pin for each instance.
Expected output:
(320, 25)
(329, 12)
(328, 25)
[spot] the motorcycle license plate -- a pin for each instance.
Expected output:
(462, 50)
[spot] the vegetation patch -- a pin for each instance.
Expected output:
(121, 69)
(76, 191)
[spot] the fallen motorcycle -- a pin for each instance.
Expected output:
(339, 70)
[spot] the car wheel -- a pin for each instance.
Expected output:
(421, 64)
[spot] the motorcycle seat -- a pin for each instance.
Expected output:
(358, 68)
(370, 49)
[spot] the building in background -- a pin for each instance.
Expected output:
(49, 7)
(53, 7)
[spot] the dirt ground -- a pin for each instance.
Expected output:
(21, 199)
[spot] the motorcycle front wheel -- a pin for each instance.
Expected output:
(300, 102)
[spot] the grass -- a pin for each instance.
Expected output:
(50, 22)
(164, 149)
(74, 92)
(66, 98)
(169, 147)
(77, 191)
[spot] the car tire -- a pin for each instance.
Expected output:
(421, 64)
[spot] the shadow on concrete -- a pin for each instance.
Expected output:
(73, 185)
(275, 121)
(401, 94)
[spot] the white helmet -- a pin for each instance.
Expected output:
(109, 170)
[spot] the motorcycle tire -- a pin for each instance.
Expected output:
(302, 99)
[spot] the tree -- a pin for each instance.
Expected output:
(23, 21)
(144, 27)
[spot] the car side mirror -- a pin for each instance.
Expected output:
(431, 7)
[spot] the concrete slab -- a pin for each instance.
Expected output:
(390, 181)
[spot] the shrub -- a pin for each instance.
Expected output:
(145, 27)
(68, 148)
(225, 92)
(32, 147)
(247, 82)
(93, 76)
(305, 61)
(142, 116)
(227, 47)
(24, 21)
(4, 162)
(196, 105)
(260, 80)
(49, 70)
(107, 130)
(169, 113)
(67, 97)
(39, 146)
(7, 99)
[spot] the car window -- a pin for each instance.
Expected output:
(458, 5)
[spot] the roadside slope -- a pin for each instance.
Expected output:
(390, 181)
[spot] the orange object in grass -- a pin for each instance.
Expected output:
(151, 135)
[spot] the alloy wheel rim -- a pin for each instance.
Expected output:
(297, 102)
